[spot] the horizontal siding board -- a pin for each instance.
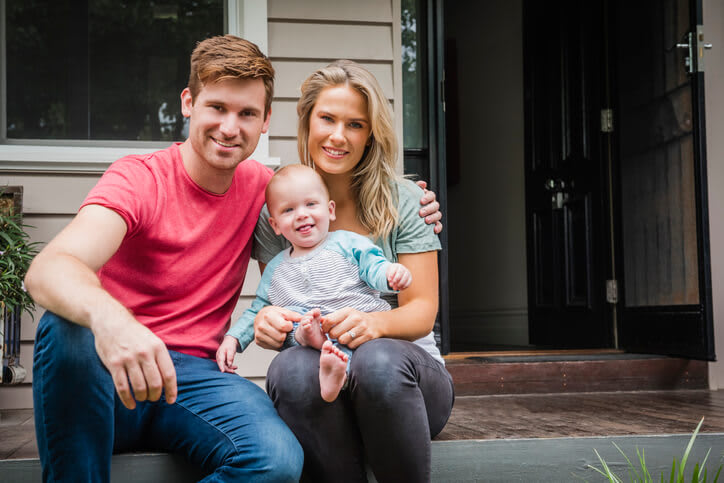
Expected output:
(57, 194)
(285, 150)
(284, 119)
(338, 10)
(291, 74)
(324, 41)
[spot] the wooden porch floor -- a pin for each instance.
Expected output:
(513, 417)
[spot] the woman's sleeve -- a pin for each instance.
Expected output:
(267, 244)
(412, 235)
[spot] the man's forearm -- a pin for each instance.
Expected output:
(64, 285)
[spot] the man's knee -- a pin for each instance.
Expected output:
(64, 342)
(277, 457)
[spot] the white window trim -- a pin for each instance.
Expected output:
(245, 18)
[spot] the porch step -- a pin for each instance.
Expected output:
(538, 372)
(511, 460)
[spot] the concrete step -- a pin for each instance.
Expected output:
(502, 460)
(538, 372)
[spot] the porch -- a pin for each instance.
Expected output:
(567, 404)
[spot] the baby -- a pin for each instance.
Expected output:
(321, 272)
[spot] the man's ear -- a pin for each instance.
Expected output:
(265, 126)
(274, 225)
(332, 215)
(187, 102)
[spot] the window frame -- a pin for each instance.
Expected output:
(244, 18)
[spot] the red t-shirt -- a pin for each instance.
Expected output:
(183, 260)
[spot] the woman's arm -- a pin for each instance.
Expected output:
(413, 319)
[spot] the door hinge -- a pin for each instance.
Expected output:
(612, 291)
(607, 120)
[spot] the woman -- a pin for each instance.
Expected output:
(399, 394)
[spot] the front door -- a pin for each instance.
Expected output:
(565, 160)
(665, 304)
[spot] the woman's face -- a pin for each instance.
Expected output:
(339, 129)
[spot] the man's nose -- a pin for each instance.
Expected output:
(229, 126)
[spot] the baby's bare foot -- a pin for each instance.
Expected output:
(309, 333)
(332, 371)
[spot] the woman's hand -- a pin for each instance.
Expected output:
(225, 354)
(430, 210)
(351, 327)
(271, 326)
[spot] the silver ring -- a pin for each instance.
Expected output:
(351, 333)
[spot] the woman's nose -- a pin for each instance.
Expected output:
(337, 134)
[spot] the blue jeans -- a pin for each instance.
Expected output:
(222, 423)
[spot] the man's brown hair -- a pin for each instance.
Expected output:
(230, 57)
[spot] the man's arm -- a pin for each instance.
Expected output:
(63, 279)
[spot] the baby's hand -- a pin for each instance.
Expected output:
(225, 354)
(398, 277)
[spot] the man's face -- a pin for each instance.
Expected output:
(226, 120)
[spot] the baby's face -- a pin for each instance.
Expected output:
(300, 211)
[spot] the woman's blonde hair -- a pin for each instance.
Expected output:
(374, 174)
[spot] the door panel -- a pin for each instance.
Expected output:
(666, 302)
(564, 166)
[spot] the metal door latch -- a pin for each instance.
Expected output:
(695, 46)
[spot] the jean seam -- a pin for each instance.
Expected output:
(43, 402)
(210, 424)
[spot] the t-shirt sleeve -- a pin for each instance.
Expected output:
(267, 244)
(119, 188)
(412, 235)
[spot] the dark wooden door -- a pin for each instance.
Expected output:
(564, 67)
(665, 305)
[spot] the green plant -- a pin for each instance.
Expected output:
(16, 253)
(643, 475)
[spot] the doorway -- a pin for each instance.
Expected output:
(542, 209)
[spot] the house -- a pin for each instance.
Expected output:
(635, 252)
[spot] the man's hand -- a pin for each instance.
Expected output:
(132, 353)
(271, 326)
(398, 276)
(225, 354)
(430, 210)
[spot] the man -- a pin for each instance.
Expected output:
(139, 289)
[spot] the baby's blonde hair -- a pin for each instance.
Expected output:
(290, 171)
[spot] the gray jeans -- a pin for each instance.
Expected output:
(397, 400)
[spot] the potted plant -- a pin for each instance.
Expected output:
(16, 253)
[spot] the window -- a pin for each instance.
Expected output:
(414, 92)
(83, 81)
